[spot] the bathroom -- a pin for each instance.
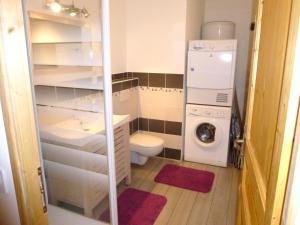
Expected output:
(115, 109)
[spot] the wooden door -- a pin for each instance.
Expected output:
(271, 113)
(16, 98)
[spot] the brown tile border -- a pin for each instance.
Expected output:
(174, 81)
(173, 128)
(143, 78)
(120, 85)
(133, 126)
(158, 80)
(143, 124)
(172, 153)
(116, 87)
(157, 126)
(160, 126)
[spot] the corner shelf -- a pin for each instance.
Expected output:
(73, 77)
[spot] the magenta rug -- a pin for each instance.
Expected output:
(137, 207)
(188, 178)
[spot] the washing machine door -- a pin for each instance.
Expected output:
(207, 133)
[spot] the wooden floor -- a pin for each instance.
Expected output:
(186, 207)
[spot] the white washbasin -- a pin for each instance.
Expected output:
(90, 124)
(70, 125)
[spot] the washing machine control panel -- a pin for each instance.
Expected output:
(206, 112)
(212, 45)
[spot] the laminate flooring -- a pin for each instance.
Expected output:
(185, 207)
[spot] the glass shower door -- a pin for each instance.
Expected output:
(84, 147)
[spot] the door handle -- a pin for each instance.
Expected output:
(239, 141)
(42, 190)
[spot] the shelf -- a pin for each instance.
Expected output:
(72, 77)
(68, 54)
(57, 19)
(46, 28)
(66, 42)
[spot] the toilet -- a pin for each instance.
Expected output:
(143, 146)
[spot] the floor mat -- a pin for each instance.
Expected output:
(136, 207)
(188, 178)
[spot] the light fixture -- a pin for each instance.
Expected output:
(84, 12)
(56, 6)
(72, 10)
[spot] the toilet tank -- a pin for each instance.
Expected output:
(218, 30)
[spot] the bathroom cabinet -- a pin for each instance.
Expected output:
(75, 154)
(85, 186)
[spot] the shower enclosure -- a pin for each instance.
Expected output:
(84, 147)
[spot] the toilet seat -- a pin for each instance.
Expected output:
(145, 144)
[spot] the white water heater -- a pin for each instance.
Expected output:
(218, 30)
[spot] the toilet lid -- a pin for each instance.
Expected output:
(145, 140)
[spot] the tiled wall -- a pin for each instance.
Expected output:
(160, 106)
(153, 101)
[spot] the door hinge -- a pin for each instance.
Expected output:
(42, 190)
(252, 26)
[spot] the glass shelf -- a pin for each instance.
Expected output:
(69, 77)
(68, 54)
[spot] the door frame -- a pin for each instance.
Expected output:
(16, 96)
(286, 122)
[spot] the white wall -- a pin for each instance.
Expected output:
(194, 19)
(118, 35)
(156, 36)
(9, 214)
(238, 11)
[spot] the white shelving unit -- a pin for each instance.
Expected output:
(66, 53)
(70, 77)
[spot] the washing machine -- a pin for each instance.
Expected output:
(207, 134)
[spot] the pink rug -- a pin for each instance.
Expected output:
(182, 177)
(137, 207)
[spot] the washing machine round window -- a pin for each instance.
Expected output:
(208, 134)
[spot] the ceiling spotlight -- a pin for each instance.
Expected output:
(72, 10)
(84, 12)
(55, 6)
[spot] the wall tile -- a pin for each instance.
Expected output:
(174, 113)
(135, 83)
(116, 87)
(126, 85)
(174, 81)
(173, 128)
(143, 78)
(129, 75)
(171, 141)
(156, 126)
(143, 124)
(157, 80)
(119, 76)
(162, 154)
(172, 153)
(135, 125)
